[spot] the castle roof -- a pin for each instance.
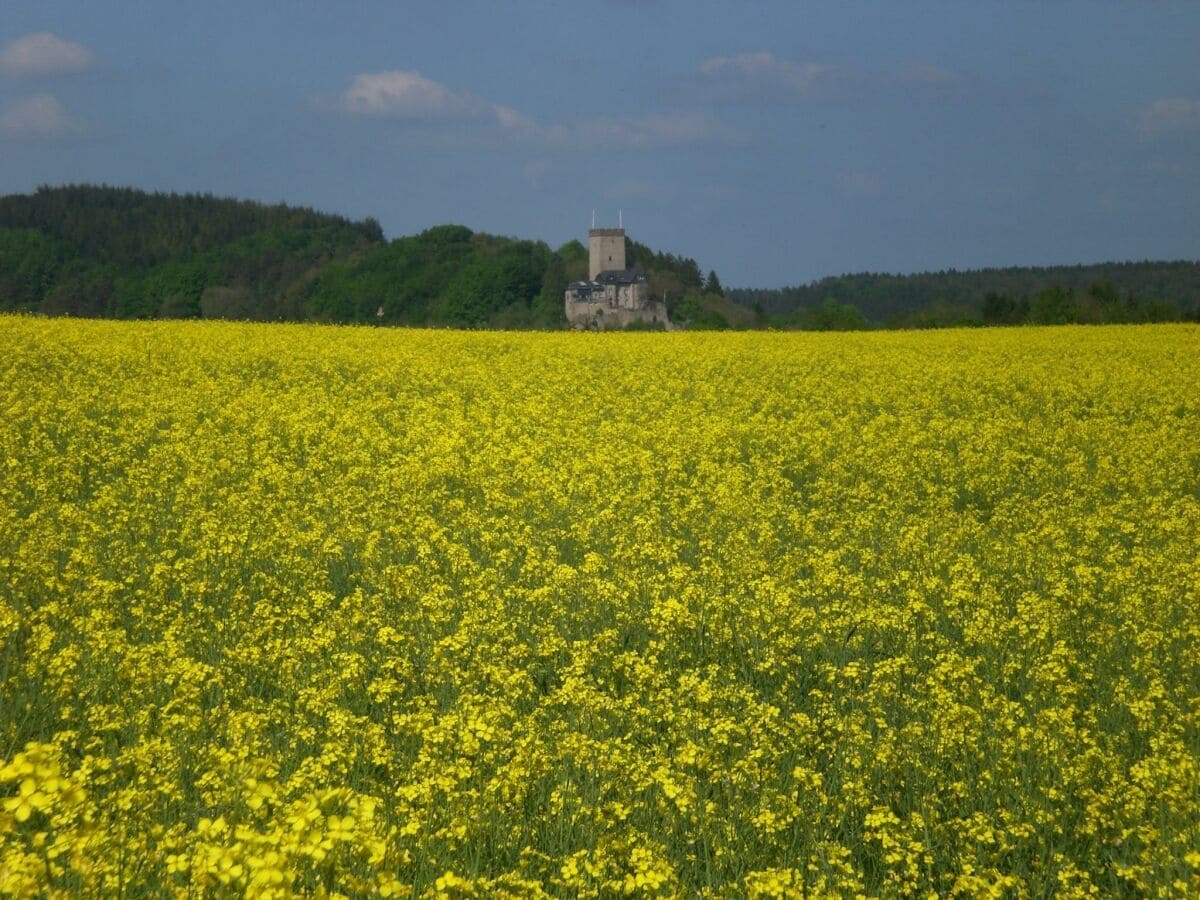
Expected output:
(617, 276)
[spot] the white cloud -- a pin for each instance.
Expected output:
(39, 116)
(43, 53)
(762, 72)
(409, 95)
(511, 119)
(762, 75)
(399, 94)
(1169, 115)
(404, 95)
(930, 78)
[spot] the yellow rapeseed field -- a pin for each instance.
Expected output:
(339, 611)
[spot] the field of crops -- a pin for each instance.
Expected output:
(365, 611)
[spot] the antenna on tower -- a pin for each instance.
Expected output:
(593, 218)
(620, 224)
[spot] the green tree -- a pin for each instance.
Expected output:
(941, 313)
(29, 261)
(180, 306)
(79, 291)
(1003, 309)
(236, 302)
(574, 257)
(1054, 306)
(712, 284)
(829, 316)
(548, 305)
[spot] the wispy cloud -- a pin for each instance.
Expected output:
(513, 120)
(760, 75)
(634, 132)
(39, 116)
(43, 53)
(404, 95)
(409, 95)
(929, 78)
(761, 72)
(1169, 115)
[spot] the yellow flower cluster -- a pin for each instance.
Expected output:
(355, 612)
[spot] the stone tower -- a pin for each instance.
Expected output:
(606, 251)
(613, 296)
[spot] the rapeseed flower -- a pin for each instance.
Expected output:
(343, 612)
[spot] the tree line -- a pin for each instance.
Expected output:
(1106, 292)
(88, 250)
(1101, 303)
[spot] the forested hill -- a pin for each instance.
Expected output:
(886, 299)
(103, 251)
(128, 227)
(87, 250)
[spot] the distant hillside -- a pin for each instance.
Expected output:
(445, 275)
(85, 250)
(88, 250)
(118, 252)
(884, 299)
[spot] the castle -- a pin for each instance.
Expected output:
(613, 296)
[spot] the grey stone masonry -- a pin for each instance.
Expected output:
(606, 251)
(613, 296)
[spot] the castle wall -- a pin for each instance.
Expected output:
(624, 296)
(598, 315)
(606, 251)
(618, 299)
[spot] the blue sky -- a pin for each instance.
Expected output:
(775, 142)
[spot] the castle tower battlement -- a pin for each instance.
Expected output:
(606, 251)
(613, 296)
